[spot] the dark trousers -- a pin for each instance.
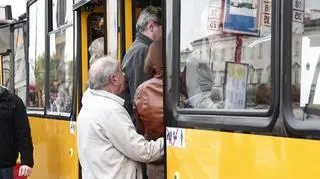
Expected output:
(6, 173)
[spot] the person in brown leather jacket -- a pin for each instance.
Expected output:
(148, 104)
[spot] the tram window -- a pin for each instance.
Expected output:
(6, 70)
(5, 39)
(36, 54)
(20, 77)
(61, 71)
(61, 13)
(95, 27)
(226, 68)
(305, 66)
(95, 31)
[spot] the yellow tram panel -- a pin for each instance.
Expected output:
(222, 155)
(55, 152)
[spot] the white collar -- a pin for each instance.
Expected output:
(107, 94)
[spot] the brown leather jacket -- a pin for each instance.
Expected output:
(148, 106)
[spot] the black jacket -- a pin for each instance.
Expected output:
(133, 66)
(15, 135)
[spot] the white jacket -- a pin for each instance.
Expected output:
(108, 145)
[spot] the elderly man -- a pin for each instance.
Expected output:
(108, 144)
(149, 29)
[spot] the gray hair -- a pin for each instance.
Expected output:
(101, 71)
(150, 13)
(96, 49)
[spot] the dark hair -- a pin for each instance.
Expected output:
(150, 13)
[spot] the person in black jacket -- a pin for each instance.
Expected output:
(149, 29)
(15, 136)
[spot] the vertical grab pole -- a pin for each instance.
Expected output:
(237, 54)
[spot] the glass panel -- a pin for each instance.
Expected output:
(61, 13)
(6, 70)
(36, 55)
(20, 77)
(4, 39)
(305, 57)
(61, 71)
(95, 27)
(95, 37)
(2, 13)
(225, 54)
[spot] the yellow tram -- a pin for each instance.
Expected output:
(242, 88)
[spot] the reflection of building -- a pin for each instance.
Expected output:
(217, 50)
(6, 69)
(60, 39)
(183, 58)
(310, 65)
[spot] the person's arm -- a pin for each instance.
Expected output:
(125, 138)
(23, 134)
(137, 103)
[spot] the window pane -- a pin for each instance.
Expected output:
(61, 12)
(2, 13)
(305, 56)
(4, 39)
(61, 71)
(6, 70)
(95, 37)
(226, 55)
(95, 27)
(20, 77)
(36, 55)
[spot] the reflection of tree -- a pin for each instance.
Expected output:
(70, 70)
(40, 77)
(53, 70)
(263, 94)
(39, 73)
(296, 93)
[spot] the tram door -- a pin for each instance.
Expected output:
(110, 22)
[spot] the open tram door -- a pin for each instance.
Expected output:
(112, 21)
(240, 84)
(109, 21)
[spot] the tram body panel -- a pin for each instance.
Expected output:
(55, 149)
(216, 154)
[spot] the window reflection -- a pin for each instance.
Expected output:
(95, 32)
(20, 77)
(206, 49)
(61, 12)
(6, 70)
(95, 27)
(305, 58)
(36, 55)
(61, 71)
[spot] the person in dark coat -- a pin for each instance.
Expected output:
(149, 29)
(15, 136)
